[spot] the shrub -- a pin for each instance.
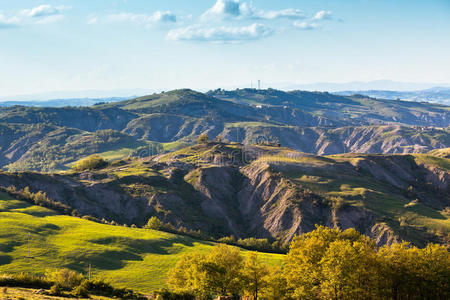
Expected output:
(100, 287)
(24, 280)
(80, 292)
(56, 290)
(65, 278)
(203, 139)
(169, 295)
(93, 162)
(154, 223)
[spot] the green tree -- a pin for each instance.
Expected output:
(312, 256)
(349, 271)
(218, 273)
(189, 276)
(154, 223)
(89, 163)
(275, 287)
(254, 275)
(223, 270)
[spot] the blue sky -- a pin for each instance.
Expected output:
(125, 44)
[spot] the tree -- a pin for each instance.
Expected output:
(223, 270)
(218, 273)
(349, 271)
(312, 257)
(203, 139)
(89, 163)
(275, 287)
(154, 223)
(188, 276)
(254, 275)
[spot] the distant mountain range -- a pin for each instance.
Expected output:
(386, 85)
(434, 95)
(64, 102)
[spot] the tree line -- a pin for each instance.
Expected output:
(326, 263)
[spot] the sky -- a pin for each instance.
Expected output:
(75, 45)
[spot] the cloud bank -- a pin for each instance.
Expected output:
(158, 17)
(234, 9)
(220, 34)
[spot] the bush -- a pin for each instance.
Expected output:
(66, 278)
(80, 292)
(56, 290)
(102, 288)
(169, 295)
(93, 162)
(154, 223)
(203, 139)
(24, 280)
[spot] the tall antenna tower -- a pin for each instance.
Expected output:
(259, 84)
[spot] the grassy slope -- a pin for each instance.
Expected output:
(134, 258)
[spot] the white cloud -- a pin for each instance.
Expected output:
(166, 17)
(160, 17)
(234, 9)
(43, 11)
(220, 34)
(224, 9)
(6, 22)
(42, 14)
(306, 26)
(289, 13)
(323, 15)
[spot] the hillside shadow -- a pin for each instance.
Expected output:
(8, 246)
(106, 260)
(133, 250)
(14, 204)
(5, 259)
(143, 246)
(39, 214)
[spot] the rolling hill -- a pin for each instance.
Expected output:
(35, 239)
(261, 191)
(50, 139)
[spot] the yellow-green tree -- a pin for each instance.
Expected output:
(254, 275)
(223, 270)
(322, 263)
(275, 287)
(413, 273)
(89, 163)
(218, 273)
(349, 271)
(154, 223)
(188, 276)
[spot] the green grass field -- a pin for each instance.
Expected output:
(34, 239)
